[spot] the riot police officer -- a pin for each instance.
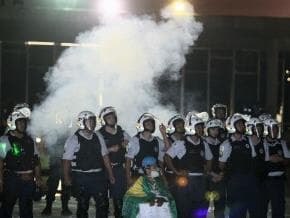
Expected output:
(193, 157)
(86, 157)
(175, 129)
(116, 140)
(255, 131)
(19, 162)
(216, 183)
(277, 156)
(144, 144)
(237, 157)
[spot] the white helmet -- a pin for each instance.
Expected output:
(190, 122)
(231, 120)
(214, 107)
(144, 117)
(23, 108)
(105, 111)
(213, 124)
(20, 105)
(13, 117)
(252, 123)
(203, 115)
(170, 128)
(84, 115)
(264, 117)
(269, 123)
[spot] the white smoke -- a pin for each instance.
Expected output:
(116, 70)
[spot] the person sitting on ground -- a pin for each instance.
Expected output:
(149, 188)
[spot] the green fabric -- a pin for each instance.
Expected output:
(133, 198)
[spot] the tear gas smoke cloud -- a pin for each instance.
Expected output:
(119, 69)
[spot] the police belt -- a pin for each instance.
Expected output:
(117, 165)
(189, 174)
(24, 172)
(88, 171)
(19, 172)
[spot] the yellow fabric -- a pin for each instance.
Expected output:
(137, 189)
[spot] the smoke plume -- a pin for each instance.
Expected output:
(115, 65)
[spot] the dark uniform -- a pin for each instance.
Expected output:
(118, 189)
(242, 183)
(170, 177)
(88, 175)
(139, 148)
(56, 175)
(275, 180)
(261, 173)
(190, 198)
(223, 135)
(20, 158)
(218, 189)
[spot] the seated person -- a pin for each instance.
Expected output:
(149, 188)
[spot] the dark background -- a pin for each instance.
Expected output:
(240, 59)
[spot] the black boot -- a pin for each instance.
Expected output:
(47, 210)
(118, 208)
(65, 210)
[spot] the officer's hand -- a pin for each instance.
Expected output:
(67, 182)
(160, 201)
(114, 148)
(130, 182)
(112, 180)
(276, 158)
(216, 179)
(162, 129)
(182, 173)
(125, 143)
(38, 182)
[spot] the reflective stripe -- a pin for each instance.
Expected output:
(276, 173)
(195, 174)
(88, 171)
(23, 172)
(118, 165)
(190, 174)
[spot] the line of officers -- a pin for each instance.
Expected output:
(236, 161)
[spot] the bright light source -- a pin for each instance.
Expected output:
(40, 43)
(37, 140)
(182, 181)
(287, 72)
(179, 6)
(110, 8)
(288, 79)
